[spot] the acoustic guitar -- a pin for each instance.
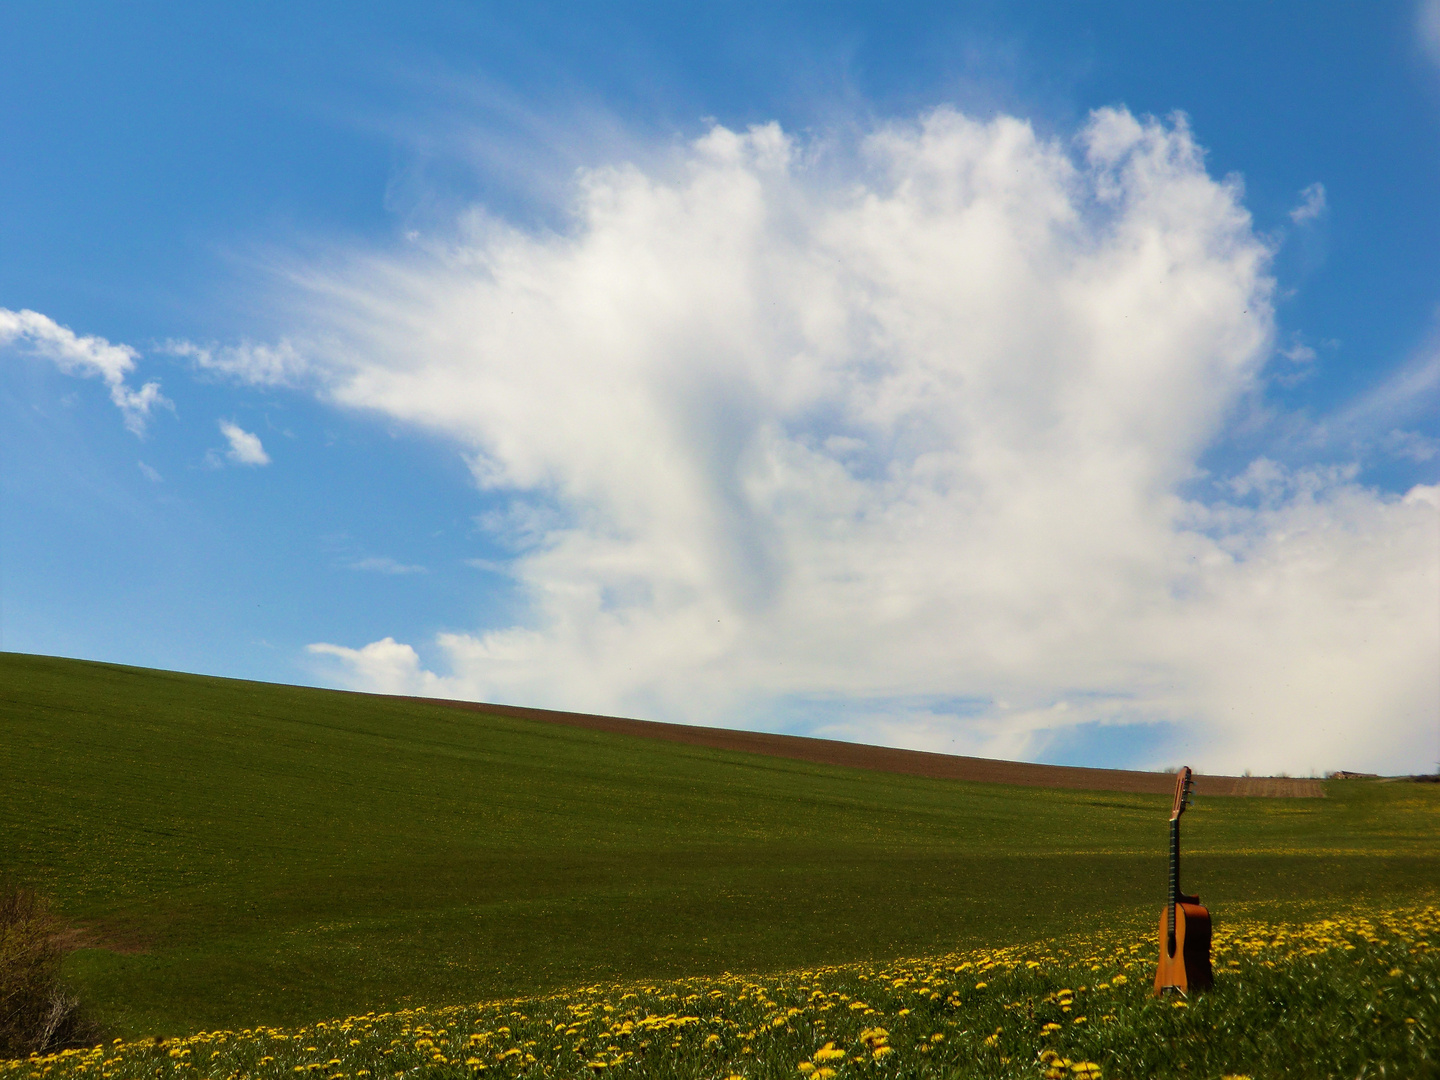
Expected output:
(1184, 924)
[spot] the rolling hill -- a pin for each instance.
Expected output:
(233, 852)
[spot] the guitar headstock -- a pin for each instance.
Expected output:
(1182, 793)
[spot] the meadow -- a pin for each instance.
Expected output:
(1352, 995)
(245, 856)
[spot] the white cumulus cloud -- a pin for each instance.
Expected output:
(245, 448)
(902, 444)
(388, 666)
(86, 356)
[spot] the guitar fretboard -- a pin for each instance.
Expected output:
(1174, 880)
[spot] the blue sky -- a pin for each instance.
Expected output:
(644, 494)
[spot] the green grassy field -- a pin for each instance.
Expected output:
(268, 854)
(1354, 994)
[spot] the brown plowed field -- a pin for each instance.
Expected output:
(911, 762)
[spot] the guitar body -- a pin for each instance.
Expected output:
(1184, 924)
(1188, 968)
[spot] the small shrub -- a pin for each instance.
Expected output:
(36, 1014)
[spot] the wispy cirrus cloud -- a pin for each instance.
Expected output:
(86, 356)
(251, 363)
(1312, 204)
(1383, 417)
(1427, 25)
(894, 447)
(383, 564)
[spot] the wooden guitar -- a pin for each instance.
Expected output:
(1184, 924)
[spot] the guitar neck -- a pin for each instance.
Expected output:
(1174, 877)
